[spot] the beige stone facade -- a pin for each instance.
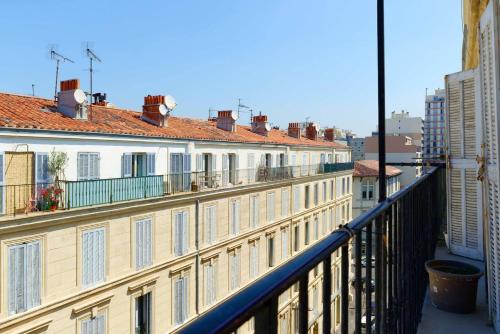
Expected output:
(67, 301)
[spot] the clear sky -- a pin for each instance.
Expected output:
(289, 59)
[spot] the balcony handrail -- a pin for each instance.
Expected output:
(235, 311)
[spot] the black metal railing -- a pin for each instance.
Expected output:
(408, 223)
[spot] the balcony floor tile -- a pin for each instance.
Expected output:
(436, 321)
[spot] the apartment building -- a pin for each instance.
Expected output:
(365, 185)
(358, 148)
(434, 125)
(153, 219)
(398, 149)
(402, 124)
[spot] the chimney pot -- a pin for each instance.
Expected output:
(151, 110)
(294, 130)
(226, 120)
(260, 125)
(312, 131)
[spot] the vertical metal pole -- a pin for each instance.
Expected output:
(381, 155)
(358, 284)
(57, 78)
(344, 324)
(327, 295)
(303, 304)
(91, 97)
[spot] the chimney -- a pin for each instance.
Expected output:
(294, 130)
(329, 134)
(312, 131)
(71, 100)
(99, 99)
(260, 125)
(154, 110)
(226, 120)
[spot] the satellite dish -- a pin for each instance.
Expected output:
(268, 127)
(234, 116)
(163, 109)
(170, 102)
(79, 96)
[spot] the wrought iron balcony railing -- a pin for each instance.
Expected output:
(408, 224)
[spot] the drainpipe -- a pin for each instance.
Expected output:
(197, 257)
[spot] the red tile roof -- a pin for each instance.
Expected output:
(364, 168)
(27, 112)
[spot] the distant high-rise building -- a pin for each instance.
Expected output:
(358, 148)
(434, 126)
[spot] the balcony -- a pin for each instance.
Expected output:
(399, 234)
(65, 195)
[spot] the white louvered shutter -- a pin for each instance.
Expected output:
(270, 207)
(285, 202)
(33, 271)
(127, 165)
(489, 67)
(178, 307)
(151, 164)
(296, 199)
(185, 232)
(464, 144)
(225, 170)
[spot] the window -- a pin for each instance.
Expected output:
(210, 283)
(367, 188)
(323, 222)
(306, 232)
(316, 194)
(254, 259)
(284, 324)
(316, 228)
(343, 186)
(181, 233)
(324, 191)
(296, 238)
(42, 168)
(150, 164)
(284, 243)
(332, 219)
(254, 211)
(24, 277)
(143, 243)
(143, 314)
(343, 214)
(306, 194)
(270, 207)
(348, 185)
(93, 253)
(296, 199)
(315, 300)
(210, 224)
(332, 189)
(88, 166)
(270, 251)
(285, 202)
(234, 218)
(94, 325)
(180, 300)
(234, 270)
(180, 170)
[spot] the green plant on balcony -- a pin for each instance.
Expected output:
(56, 165)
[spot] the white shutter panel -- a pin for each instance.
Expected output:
(139, 233)
(15, 265)
(151, 164)
(185, 232)
(178, 301)
(32, 274)
(178, 234)
(127, 165)
(464, 144)
(149, 242)
(101, 255)
(199, 163)
(184, 298)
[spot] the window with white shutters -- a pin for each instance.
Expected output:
(285, 202)
(96, 325)
(296, 238)
(270, 251)
(323, 222)
(234, 217)
(324, 191)
(210, 283)
(306, 232)
(254, 211)
(42, 168)
(93, 257)
(296, 199)
(332, 219)
(88, 166)
(180, 299)
(306, 196)
(151, 164)
(181, 232)
(143, 243)
(270, 207)
(316, 228)
(254, 259)
(210, 224)
(234, 270)
(24, 276)
(284, 243)
(316, 194)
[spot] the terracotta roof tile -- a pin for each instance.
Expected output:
(27, 112)
(364, 168)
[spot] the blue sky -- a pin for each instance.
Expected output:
(289, 59)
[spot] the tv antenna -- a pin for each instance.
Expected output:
(241, 106)
(54, 55)
(92, 56)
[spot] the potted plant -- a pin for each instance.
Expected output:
(56, 165)
(51, 197)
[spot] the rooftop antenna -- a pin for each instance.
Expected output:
(92, 56)
(241, 106)
(251, 115)
(33, 89)
(54, 55)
